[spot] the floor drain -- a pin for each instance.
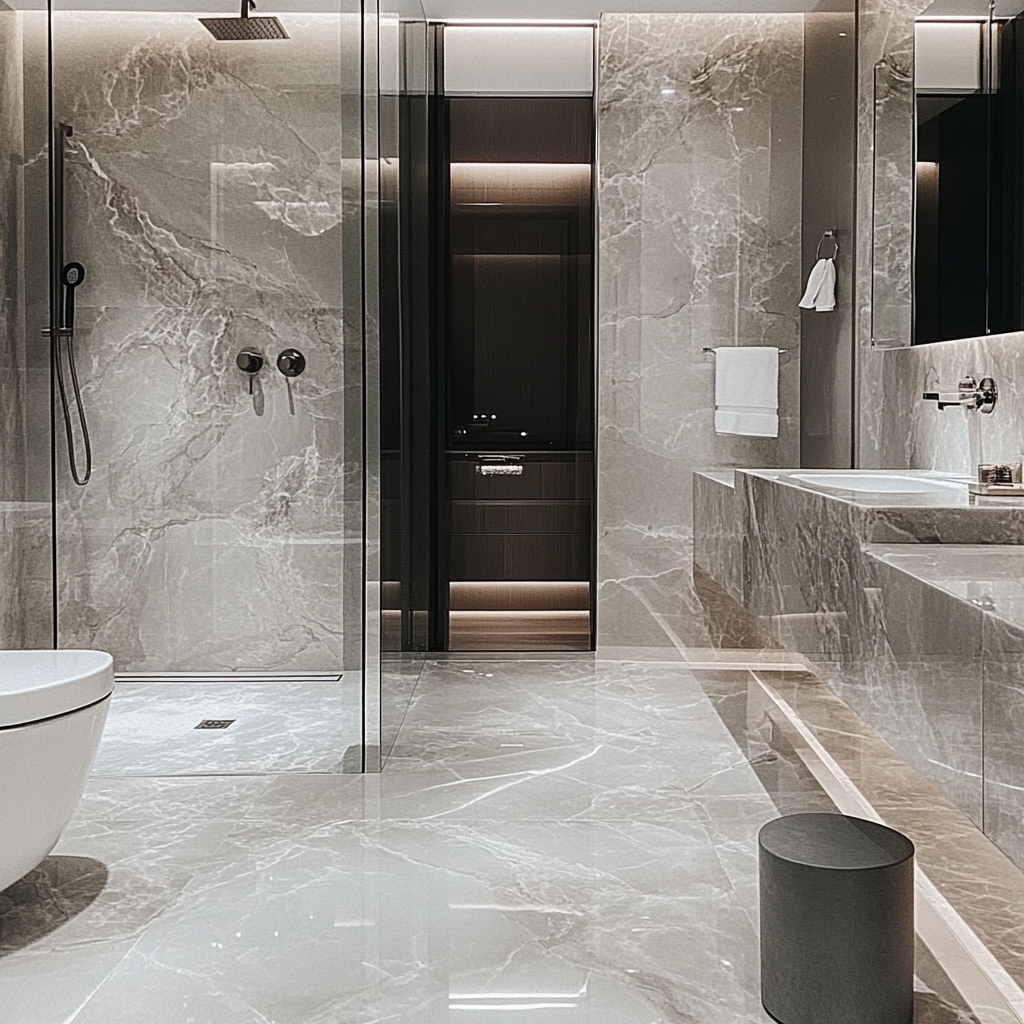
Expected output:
(216, 723)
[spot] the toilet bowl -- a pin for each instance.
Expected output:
(53, 705)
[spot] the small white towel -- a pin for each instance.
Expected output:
(821, 287)
(747, 391)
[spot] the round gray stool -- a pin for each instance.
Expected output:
(837, 921)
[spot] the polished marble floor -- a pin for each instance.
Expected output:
(568, 840)
(277, 728)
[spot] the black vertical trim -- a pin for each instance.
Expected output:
(52, 224)
(439, 244)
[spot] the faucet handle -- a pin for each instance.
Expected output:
(968, 393)
(948, 394)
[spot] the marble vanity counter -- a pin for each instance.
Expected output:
(935, 508)
(989, 577)
(961, 610)
(718, 543)
(909, 603)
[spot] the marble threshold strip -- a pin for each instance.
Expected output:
(735, 659)
(986, 985)
(228, 677)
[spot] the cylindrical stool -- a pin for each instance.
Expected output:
(837, 921)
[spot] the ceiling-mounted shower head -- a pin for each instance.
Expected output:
(244, 27)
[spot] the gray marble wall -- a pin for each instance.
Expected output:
(25, 587)
(700, 129)
(897, 429)
(205, 198)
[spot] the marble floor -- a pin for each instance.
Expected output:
(572, 840)
(277, 728)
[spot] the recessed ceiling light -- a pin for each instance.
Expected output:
(668, 91)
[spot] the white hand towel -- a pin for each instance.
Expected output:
(747, 391)
(821, 287)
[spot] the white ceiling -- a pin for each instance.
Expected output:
(445, 10)
(591, 10)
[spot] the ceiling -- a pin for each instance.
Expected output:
(446, 10)
(591, 10)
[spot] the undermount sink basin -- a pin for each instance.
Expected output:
(878, 483)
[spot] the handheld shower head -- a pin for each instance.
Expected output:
(244, 27)
(71, 277)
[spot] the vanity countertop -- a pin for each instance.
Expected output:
(938, 511)
(720, 476)
(986, 576)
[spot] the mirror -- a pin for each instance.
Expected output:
(948, 213)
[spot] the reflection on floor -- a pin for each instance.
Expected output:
(570, 839)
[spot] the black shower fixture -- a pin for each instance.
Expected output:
(244, 27)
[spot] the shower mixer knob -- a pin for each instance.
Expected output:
(291, 362)
(249, 361)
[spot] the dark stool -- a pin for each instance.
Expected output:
(837, 921)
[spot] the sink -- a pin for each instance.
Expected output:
(869, 482)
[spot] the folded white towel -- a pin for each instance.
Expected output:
(821, 287)
(747, 391)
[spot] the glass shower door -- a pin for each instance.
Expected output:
(204, 193)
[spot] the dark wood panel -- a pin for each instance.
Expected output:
(490, 557)
(519, 517)
(490, 129)
(551, 481)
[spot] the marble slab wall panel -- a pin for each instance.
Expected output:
(885, 33)
(900, 429)
(205, 198)
(700, 122)
(12, 398)
(897, 429)
(718, 530)
(26, 594)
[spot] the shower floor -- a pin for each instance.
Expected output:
(277, 728)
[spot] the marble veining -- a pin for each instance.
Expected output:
(916, 625)
(460, 881)
(278, 727)
(897, 428)
(983, 582)
(25, 586)
(205, 196)
(700, 126)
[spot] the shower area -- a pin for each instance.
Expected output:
(202, 231)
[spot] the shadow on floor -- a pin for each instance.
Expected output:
(47, 898)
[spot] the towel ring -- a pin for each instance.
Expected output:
(833, 235)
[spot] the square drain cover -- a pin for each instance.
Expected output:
(216, 723)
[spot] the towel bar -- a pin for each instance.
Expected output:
(708, 348)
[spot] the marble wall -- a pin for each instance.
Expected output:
(26, 618)
(206, 190)
(897, 428)
(700, 125)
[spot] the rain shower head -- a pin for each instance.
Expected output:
(244, 27)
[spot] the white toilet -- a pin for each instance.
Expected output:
(53, 705)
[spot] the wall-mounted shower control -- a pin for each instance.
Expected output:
(251, 362)
(291, 362)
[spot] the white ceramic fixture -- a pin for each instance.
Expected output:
(53, 705)
(878, 483)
